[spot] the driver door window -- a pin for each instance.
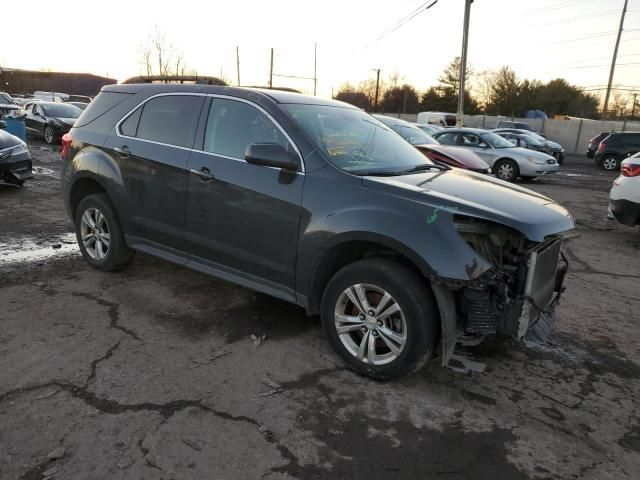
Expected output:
(471, 140)
(233, 125)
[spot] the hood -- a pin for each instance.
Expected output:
(530, 153)
(477, 195)
(465, 156)
(553, 145)
(7, 140)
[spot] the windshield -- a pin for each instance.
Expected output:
(531, 140)
(6, 99)
(536, 136)
(496, 141)
(61, 110)
(354, 141)
(414, 135)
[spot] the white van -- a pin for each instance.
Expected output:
(441, 119)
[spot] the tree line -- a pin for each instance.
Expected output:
(493, 92)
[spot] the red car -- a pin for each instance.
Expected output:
(429, 146)
(454, 157)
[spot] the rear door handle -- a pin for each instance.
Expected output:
(123, 151)
(204, 173)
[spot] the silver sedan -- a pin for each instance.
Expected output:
(506, 161)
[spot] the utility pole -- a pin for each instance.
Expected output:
(463, 62)
(238, 63)
(375, 102)
(613, 62)
(271, 71)
(315, 68)
(633, 107)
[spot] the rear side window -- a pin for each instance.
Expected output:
(232, 125)
(130, 126)
(170, 119)
(104, 102)
(448, 138)
(632, 139)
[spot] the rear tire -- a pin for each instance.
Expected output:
(100, 235)
(394, 332)
(610, 162)
(507, 170)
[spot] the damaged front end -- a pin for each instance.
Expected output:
(516, 297)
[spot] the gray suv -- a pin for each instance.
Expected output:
(317, 203)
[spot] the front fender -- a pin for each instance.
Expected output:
(423, 233)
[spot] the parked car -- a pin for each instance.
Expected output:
(80, 105)
(317, 203)
(506, 161)
(15, 161)
(50, 120)
(22, 102)
(517, 125)
(6, 99)
(552, 148)
(624, 198)
(444, 155)
(430, 129)
(57, 97)
(455, 157)
(442, 119)
(615, 148)
(78, 98)
(595, 142)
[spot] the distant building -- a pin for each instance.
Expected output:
(28, 81)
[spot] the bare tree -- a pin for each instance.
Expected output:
(159, 57)
(483, 86)
(620, 103)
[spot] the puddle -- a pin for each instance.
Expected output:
(44, 171)
(23, 250)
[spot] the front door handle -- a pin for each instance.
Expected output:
(204, 173)
(123, 151)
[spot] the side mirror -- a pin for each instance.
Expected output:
(270, 155)
(3, 124)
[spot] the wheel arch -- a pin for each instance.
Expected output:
(351, 248)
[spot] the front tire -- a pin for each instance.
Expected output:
(49, 135)
(100, 235)
(507, 170)
(381, 318)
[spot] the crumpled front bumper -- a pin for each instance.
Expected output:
(16, 167)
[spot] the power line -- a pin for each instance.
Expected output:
(404, 20)
(605, 65)
(557, 7)
(606, 13)
(586, 37)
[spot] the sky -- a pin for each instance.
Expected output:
(541, 39)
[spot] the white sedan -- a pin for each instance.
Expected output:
(624, 199)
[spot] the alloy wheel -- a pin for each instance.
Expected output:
(94, 232)
(609, 163)
(370, 324)
(48, 135)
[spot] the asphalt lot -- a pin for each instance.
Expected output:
(159, 372)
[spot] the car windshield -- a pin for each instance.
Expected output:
(532, 140)
(61, 110)
(414, 135)
(5, 99)
(496, 141)
(354, 141)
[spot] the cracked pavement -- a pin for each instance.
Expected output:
(152, 373)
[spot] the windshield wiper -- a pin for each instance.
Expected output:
(424, 166)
